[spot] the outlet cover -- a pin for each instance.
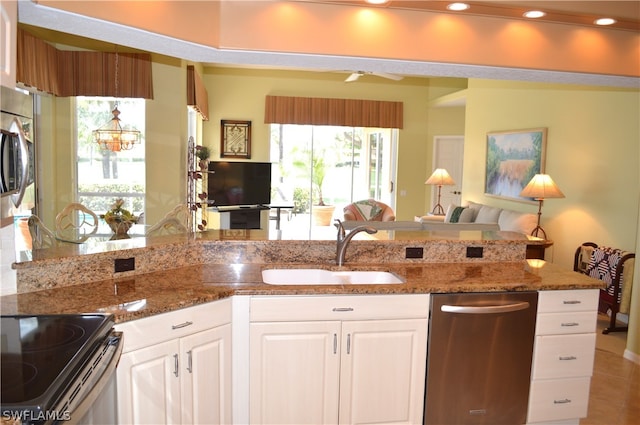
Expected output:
(474, 251)
(416, 252)
(124, 264)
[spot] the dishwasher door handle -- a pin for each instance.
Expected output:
(488, 309)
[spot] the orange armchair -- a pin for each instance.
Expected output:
(368, 210)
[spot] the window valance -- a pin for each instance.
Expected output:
(197, 96)
(76, 73)
(326, 111)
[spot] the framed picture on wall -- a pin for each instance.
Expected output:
(513, 158)
(235, 139)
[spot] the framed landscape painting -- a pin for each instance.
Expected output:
(513, 158)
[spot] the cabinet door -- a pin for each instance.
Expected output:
(206, 376)
(148, 385)
(294, 369)
(382, 373)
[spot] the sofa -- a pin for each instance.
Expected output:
(475, 216)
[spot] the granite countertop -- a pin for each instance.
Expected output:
(157, 292)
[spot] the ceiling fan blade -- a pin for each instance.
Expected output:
(388, 76)
(353, 77)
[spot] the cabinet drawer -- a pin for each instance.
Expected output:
(566, 323)
(557, 399)
(566, 301)
(559, 356)
(175, 324)
(341, 307)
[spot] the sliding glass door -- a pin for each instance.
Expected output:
(324, 168)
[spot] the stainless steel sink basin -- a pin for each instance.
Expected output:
(327, 277)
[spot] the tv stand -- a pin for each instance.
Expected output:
(244, 217)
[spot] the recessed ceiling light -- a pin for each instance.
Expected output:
(376, 1)
(604, 21)
(533, 14)
(458, 6)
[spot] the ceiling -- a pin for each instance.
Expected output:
(53, 26)
(626, 12)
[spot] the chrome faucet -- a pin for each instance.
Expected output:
(343, 239)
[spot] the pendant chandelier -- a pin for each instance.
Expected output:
(112, 136)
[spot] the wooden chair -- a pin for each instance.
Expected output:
(76, 223)
(613, 266)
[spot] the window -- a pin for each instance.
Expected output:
(331, 165)
(103, 175)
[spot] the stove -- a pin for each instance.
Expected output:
(51, 363)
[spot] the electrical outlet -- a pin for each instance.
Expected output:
(124, 264)
(474, 251)
(414, 252)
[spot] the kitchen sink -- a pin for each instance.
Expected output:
(327, 277)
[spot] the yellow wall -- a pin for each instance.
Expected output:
(592, 154)
(166, 141)
(237, 94)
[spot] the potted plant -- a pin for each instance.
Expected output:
(322, 213)
(119, 219)
(203, 153)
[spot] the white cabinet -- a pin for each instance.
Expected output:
(8, 34)
(147, 391)
(563, 355)
(339, 359)
(176, 367)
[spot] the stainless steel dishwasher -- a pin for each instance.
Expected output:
(479, 358)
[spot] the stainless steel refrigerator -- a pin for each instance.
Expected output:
(479, 358)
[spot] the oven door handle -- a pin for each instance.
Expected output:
(115, 340)
(16, 127)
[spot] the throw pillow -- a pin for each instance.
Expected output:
(369, 210)
(467, 216)
(447, 216)
(488, 214)
(455, 214)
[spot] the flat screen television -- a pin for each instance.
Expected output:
(239, 183)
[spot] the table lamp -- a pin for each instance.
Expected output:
(440, 177)
(539, 188)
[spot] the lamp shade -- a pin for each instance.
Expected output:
(541, 186)
(440, 177)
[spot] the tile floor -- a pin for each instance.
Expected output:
(615, 387)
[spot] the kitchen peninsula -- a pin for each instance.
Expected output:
(213, 297)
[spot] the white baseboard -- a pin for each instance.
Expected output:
(630, 355)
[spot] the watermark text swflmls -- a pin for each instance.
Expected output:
(28, 415)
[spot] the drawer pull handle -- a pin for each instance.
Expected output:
(181, 325)
(568, 358)
(342, 309)
(570, 324)
(571, 302)
(565, 401)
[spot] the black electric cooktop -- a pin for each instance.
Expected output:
(42, 354)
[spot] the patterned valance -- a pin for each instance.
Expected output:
(197, 96)
(75, 73)
(326, 111)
